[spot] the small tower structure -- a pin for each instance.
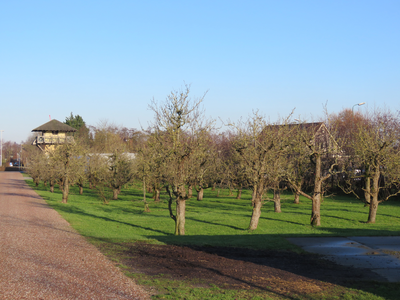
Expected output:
(51, 134)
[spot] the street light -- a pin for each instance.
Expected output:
(1, 143)
(20, 158)
(358, 104)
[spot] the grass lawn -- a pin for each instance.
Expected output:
(222, 221)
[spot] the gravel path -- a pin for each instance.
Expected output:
(42, 257)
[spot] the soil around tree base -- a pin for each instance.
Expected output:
(281, 272)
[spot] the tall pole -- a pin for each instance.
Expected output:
(1, 156)
(358, 104)
(20, 158)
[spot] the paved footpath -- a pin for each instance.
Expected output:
(375, 253)
(42, 257)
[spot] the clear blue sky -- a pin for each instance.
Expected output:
(106, 60)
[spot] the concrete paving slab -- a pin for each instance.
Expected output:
(345, 249)
(322, 241)
(372, 253)
(367, 261)
(378, 242)
(392, 275)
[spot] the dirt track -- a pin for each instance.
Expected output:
(42, 257)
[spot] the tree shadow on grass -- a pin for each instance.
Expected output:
(390, 216)
(336, 217)
(220, 205)
(77, 211)
(308, 265)
(215, 223)
(284, 221)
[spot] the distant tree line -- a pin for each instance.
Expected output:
(182, 151)
(11, 153)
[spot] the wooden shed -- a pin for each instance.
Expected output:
(51, 134)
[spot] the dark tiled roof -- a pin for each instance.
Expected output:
(55, 125)
(309, 127)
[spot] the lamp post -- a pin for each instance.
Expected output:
(1, 143)
(358, 104)
(20, 158)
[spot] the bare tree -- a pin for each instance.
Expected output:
(260, 145)
(70, 160)
(52, 172)
(106, 138)
(228, 163)
(143, 171)
(177, 135)
(315, 141)
(202, 166)
(121, 171)
(37, 166)
(376, 160)
(96, 169)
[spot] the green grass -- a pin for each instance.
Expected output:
(219, 221)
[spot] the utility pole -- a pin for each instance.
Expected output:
(1, 156)
(20, 158)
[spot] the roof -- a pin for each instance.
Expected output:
(309, 127)
(55, 125)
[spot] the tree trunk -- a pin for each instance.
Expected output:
(144, 190)
(256, 203)
(65, 190)
(180, 216)
(316, 199)
(61, 184)
(156, 195)
(146, 205)
(51, 186)
(170, 203)
(80, 190)
(367, 192)
(277, 200)
(316, 211)
(239, 193)
(200, 194)
(115, 193)
(214, 185)
(373, 206)
(296, 198)
(190, 191)
(253, 195)
(296, 193)
(156, 192)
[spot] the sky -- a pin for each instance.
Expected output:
(107, 60)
